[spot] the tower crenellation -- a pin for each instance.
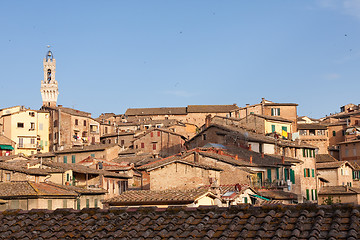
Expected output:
(49, 86)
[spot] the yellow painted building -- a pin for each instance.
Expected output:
(282, 128)
(28, 128)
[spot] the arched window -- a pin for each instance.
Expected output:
(49, 75)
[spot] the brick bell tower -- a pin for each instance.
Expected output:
(49, 86)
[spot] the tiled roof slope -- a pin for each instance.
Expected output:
(329, 165)
(211, 108)
(321, 158)
(156, 111)
(237, 222)
(148, 196)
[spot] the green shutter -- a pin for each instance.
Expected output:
(78, 204)
(316, 194)
(278, 111)
(92, 155)
(65, 159)
(96, 203)
(304, 152)
(272, 112)
(67, 177)
(87, 203)
(313, 172)
(292, 176)
(272, 128)
(269, 174)
(304, 172)
(353, 172)
(245, 200)
(334, 133)
(277, 173)
(310, 153)
(307, 194)
(286, 174)
(284, 128)
(73, 159)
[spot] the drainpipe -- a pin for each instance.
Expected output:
(59, 119)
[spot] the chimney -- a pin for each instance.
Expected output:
(236, 157)
(251, 159)
(196, 157)
(220, 152)
(249, 147)
(262, 155)
(207, 121)
(283, 159)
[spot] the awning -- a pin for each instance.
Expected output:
(6, 147)
(261, 197)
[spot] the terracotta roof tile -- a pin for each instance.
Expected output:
(242, 222)
(148, 196)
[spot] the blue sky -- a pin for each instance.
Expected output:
(113, 55)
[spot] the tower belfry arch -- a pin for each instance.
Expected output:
(49, 86)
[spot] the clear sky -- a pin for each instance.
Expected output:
(114, 55)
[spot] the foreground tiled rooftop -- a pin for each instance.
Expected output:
(238, 222)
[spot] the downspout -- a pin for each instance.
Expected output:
(59, 118)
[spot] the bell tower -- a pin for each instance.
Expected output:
(49, 86)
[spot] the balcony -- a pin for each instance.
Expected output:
(27, 146)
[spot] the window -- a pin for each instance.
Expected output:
(312, 195)
(32, 140)
(292, 176)
(269, 174)
(31, 114)
(65, 160)
(303, 132)
(334, 134)
(84, 123)
(356, 122)
(73, 159)
(272, 128)
(277, 173)
(78, 204)
(275, 111)
(50, 204)
(286, 174)
(41, 126)
(306, 172)
(158, 133)
(354, 151)
(154, 146)
(21, 142)
(106, 130)
(142, 145)
(87, 203)
(64, 203)
(92, 155)
(122, 142)
(14, 204)
(313, 172)
(204, 137)
(8, 177)
(346, 152)
(20, 125)
(245, 200)
(95, 203)
(76, 122)
(307, 194)
(67, 177)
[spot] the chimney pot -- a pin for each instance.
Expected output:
(249, 147)
(283, 159)
(262, 155)
(251, 159)
(236, 157)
